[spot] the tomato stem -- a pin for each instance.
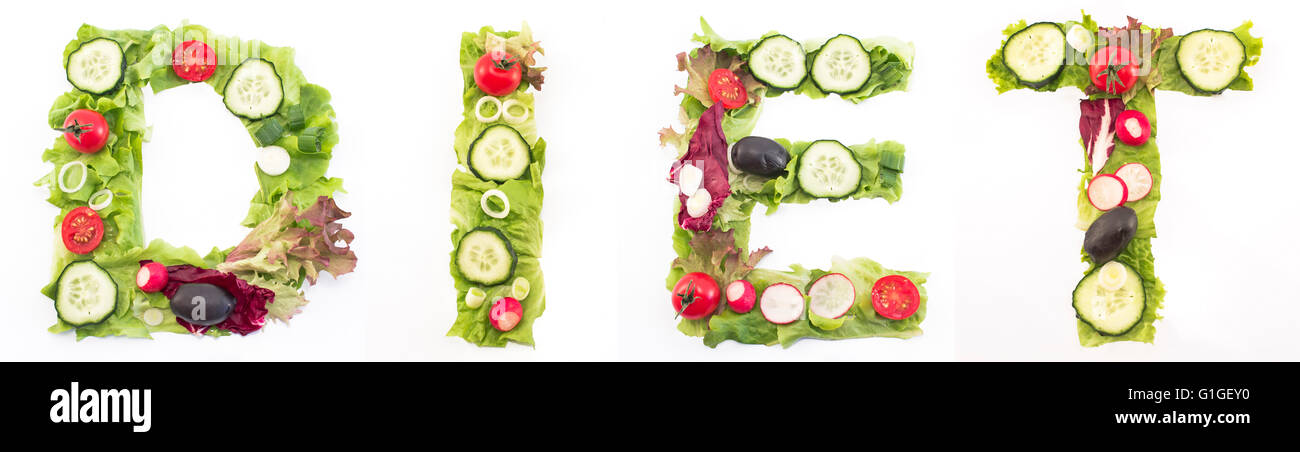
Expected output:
(76, 129)
(505, 63)
(688, 297)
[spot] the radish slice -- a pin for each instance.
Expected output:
(831, 296)
(102, 203)
(63, 176)
(474, 297)
(152, 277)
(512, 118)
(1137, 178)
(781, 303)
(1107, 192)
(273, 160)
(1133, 128)
(498, 194)
(478, 109)
(741, 296)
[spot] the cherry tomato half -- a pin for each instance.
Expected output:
(194, 61)
(498, 73)
(82, 230)
(895, 297)
(85, 130)
(1113, 69)
(726, 88)
(699, 293)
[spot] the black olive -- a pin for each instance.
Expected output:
(1109, 234)
(202, 304)
(761, 156)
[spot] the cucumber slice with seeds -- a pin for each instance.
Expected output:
(499, 154)
(1110, 299)
(484, 256)
(85, 294)
(97, 66)
(841, 66)
(1210, 60)
(1035, 54)
(778, 62)
(827, 169)
(254, 91)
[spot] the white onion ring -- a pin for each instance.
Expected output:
(505, 112)
(101, 205)
(64, 172)
(494, 193)
(478, 109)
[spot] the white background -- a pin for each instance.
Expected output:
(988, 206)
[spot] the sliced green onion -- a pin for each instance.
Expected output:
(309, 140)
(297, 120)
(478, 109)
(152, 316)
(506, 111)
(519, 289)
(892, 160)
(101, 204)
(889, 177)
(487, 209)
(269, 133)
(474, 297)
(63, 176)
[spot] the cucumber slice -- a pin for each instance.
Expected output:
(85, 294)
(1036, 54)
(254, 90)
(484, 256)
(827, 169)
(97, 66)
(831, 296)
(778, 62)
(1110, 299)
(842, 66)
(499, 154)
(1210, 60)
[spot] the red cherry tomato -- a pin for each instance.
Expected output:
(506, 314)
(1132, 127)
(895, 297)
(498, 73)
(695, 296)
(82, 230)
(85, 130)
(194, 61)
(1113, 69)
(726, 88)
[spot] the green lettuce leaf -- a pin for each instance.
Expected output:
(523, 225)
(118, 167)
(891, 63)
(1171, 78)
(876, 181)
